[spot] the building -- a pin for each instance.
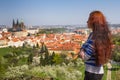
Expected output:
(18, 26)
(33, 30)
(18, 29)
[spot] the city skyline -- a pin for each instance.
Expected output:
(56, 12)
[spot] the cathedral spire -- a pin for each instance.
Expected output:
(13, 25)
(17, 22)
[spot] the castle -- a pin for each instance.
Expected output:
(18, 26)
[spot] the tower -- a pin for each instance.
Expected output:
(22, 26)
(17, 22)
(18, 26)
(13, 25)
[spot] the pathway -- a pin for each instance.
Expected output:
(109, 71)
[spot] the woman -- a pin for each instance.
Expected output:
(96, 51)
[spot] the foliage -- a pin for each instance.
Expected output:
(57, 59)
(105, 72)
(4, 51)
(51, 65)
(16, 71)
(115, 75)
(30, 58)
(116, 39)
(116, 50)
(116, 54)
(44, 55)
(22, 61)
(57, 72)
(52, 30)
(2, 67)
(49, 59)
(11, 59)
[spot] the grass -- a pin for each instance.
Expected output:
(22, 61)
(82, 69)
(105, 73)
(115, 72)
(4, 51)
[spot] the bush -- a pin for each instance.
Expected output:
(17, 71)
(116, 54)
(57, 72)
(116, 50)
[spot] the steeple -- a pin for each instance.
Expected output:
(17, 22)
(21, 21)
(18, 26)
(22, 26)
(13, 25)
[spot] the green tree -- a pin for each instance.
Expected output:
(23, 45)
(44, 53)
(116, 50)
(47, 57)
(11, 59)
(58, 59)
(42, 63)
(30, 58)
(52, 57)
(42, 49)
(37, 45)
(116, 39)
(116, 53)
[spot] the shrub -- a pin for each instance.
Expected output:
(17, 71)
(116, 54)
(57, 72)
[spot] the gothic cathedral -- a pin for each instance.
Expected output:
(18, 26)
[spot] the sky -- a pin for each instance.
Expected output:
(56, 12)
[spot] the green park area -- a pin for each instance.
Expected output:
(35, 63)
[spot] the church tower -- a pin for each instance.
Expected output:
(18, 26)
(22, 26)
(13, 25)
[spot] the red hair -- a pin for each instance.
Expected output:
(101, 36)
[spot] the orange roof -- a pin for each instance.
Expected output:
(15, 39)
(2, 38)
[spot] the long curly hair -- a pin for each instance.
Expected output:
(101, 37)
